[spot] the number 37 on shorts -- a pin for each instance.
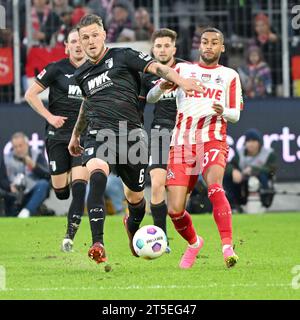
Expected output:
(215, 153)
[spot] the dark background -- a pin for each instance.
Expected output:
(271, 116)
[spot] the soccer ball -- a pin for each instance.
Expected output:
(150, 242)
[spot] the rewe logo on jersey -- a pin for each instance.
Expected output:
(74, 90)
(98, 81)
(210, 93)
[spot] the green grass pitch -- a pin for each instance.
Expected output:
(268, 247)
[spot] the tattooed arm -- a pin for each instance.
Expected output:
(169, 74)
(81, 122)
(74, 147)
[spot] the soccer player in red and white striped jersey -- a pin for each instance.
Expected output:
(199, 142)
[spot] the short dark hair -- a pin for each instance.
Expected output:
(164, 32)
(209, 29)
(88, 20)
(70, 31)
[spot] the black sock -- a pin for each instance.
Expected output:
(76, 208)
(95, 204)
(159, 213)
(136, 215)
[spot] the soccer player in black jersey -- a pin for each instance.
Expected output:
(110, 83)
(65, 99)
(164, 50)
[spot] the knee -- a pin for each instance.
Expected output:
(135, 197)
(175, 208)
(62, 193)
(157, 188)
(176, 205)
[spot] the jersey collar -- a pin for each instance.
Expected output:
(102, 56)
(208, 67)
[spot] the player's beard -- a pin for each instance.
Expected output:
(165, 62)
(94, 56)
(213, 60)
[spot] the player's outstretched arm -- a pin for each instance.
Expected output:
(231, 115)
(234, 101)
(189, 86)
(158, 90)
(33, 99)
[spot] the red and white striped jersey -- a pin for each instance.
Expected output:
(196, 121)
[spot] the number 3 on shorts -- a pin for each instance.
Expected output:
(142, 175)
(212, 156)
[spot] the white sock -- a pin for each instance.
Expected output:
(196, 244)
(24, 213)
(226, 246)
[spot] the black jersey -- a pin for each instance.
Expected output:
(165, 109)
(65, 96)
(111, 87)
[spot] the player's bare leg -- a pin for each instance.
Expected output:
(137, 208)
(213, 177)
(98, 170)
(158, 206)
(182, 221)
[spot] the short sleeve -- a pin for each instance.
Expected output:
(47, 76)
(136, 60)
(146, 86)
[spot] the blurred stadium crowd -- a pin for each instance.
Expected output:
(252, 30)
(253, 41)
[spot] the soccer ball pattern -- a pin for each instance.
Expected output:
(150, 242)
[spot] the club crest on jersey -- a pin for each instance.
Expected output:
(205, 77)
(109, 62)
(219, 80)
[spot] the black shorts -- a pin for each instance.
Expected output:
(159, 147)
(129, 159)
(60, 160)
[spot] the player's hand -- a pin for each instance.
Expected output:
(218, 108)
(167, 85)
(237, 176)
(190, 85)
(57, 121)
(74, 147)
